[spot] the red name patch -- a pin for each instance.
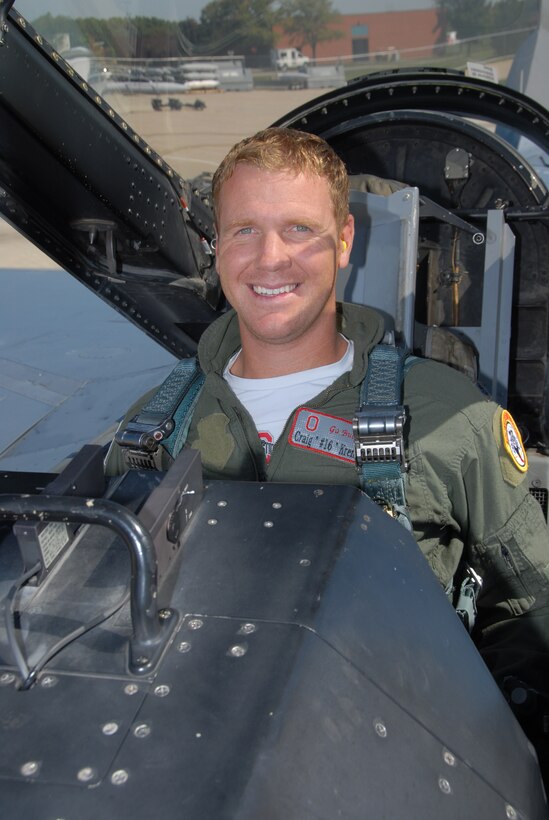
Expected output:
(324, 434)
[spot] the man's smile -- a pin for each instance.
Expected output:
(262, 291)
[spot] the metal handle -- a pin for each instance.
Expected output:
(149, 630)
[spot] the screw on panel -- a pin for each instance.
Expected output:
(48, 681)
(195, 623)
(184, 646)
(238, 650)
(268, 524)
(30, 768)
(86, 774)
(119, 777)
(162, 690)
(212, 522)
(165, 614)
(110, 728)
(444, 786)
(277, 505)
(6, 678)
(142, 660)
(380, 728)
(305, 562)
(221, 503)
(318, 493)
(247, 629)
(448, 758)
(510, 812)
(131, 689)
(142, 730)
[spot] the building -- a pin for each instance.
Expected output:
(384, 35)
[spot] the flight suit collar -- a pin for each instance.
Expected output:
(361, 324)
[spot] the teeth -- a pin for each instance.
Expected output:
(273, 291)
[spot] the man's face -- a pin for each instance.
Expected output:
(278, 253)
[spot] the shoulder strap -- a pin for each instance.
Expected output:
(378, 429)
(164, 420)
(184, 413)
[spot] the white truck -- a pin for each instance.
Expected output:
(289, 58)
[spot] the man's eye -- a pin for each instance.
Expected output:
(244, 231)
(301, 228)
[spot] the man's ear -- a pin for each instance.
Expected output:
(346, 235)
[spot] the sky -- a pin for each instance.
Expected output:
(179, 9)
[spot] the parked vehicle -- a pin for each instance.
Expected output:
(290, 58)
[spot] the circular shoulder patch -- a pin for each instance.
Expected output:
(513, 442)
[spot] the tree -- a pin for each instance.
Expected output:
(241, 26)
(189, 37)
(468, 18)
(475, 18)
(51, 27)
(509, 14)
(309, 22)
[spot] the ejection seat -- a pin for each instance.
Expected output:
(382, 273)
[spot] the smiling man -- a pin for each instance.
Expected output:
(283, 375)
(279, 247)
(281, 203)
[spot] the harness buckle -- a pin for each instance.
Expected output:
(469, 590)
(378, 435)
(140, 440)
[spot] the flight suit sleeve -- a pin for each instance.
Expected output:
(508, 545)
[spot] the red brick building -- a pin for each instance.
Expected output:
(393, 32)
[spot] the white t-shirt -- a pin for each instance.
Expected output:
(270, 401)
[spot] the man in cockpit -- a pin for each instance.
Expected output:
(283, 375)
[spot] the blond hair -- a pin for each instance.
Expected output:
(287, 150)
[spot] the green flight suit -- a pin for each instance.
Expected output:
(466, 497)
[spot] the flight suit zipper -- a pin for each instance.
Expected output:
(259, 473)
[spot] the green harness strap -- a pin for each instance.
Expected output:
(164, 421)
(378, 425)
(378, 430)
